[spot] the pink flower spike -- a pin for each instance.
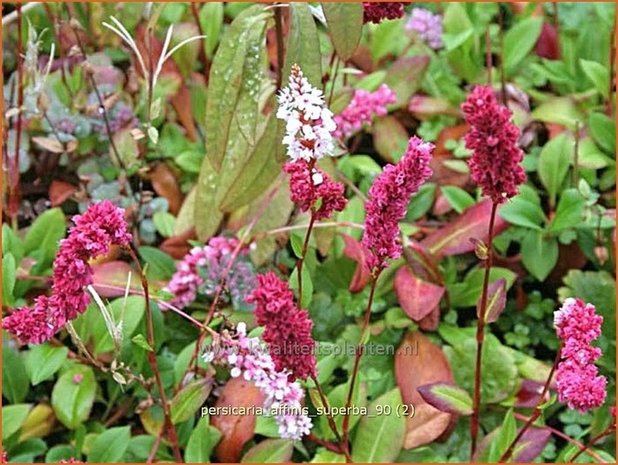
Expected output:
(388, 201)
(495, 164)
(101, 226)
(362, 109)
(579, 385)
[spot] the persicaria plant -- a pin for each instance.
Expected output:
(363, 232)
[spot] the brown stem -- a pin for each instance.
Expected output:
(301, 259)
(480, 336)
(326, 444)
(609, 430)
(536, 414)
(203, 56)
(279, 33)
(152, 359)
(357, 359)
(502, 73)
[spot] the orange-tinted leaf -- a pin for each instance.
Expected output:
(60, 191)
(417, 298)
(178, 246)
(355, 251)
(454, 238)
(110, 278)
(236, 430)
(390, 138)
(427, 425)
(166, 185)
(431, 321)
(182, 105)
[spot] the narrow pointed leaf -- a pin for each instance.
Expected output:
(447, 398)
(496, 301)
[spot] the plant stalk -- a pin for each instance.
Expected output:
(480, 336)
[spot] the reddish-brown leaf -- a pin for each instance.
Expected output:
(547, 45)
(178, 246)
(417, 298)
(166, 185)
(236, 430)
(454, 238)
(531, 444)
(110, 278)
(427, 425)
(182, 105)
(355, 251)
(496, 301)
(60, 191)
(431, 321)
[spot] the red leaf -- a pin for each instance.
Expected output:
(531, 444)
(529, 394)
(178, 246)
(431, 321)
(355, 251)
(547, 45)
(166, 185)
(454, 238)
(182, 105)
(418, 298)
(110, 278)
(60, 191)
(496, 301)
(236, 430)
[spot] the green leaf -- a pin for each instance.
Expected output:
(303, 46)
(202, 441)
(379, 438)
(539, 254)
(270, 451)
(140, 341)
(305, 299)
(554, 164)
(9, 272)
(559, 110)
(13, 417)
(160, 265)
(603, 131)
(233, 87)
(73, 396)
(405, 76)
(110, 446)
(457, 197)
(337, 399)
(503, 437)
(211, 19)
(519, 41)
(44, 234)
(189, 399)
(14, 377)
(447, 398)
(597, 74)
(132, 310)
(523, 211)
(345, 23)
(297, 245)
(164, 222)
(205, 200)
(12, 243)
(43, 361)
(468, 292)
(464, 57)
(570, 211)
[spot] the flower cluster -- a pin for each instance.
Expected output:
(361, 110)
(248, 359)
(288, 328)
(375, 12)
(308, 123)
(308, 186)
(202, 269)
(427, 26)
(388, 200)
(495, 164)
(93, 233)
(579, 385)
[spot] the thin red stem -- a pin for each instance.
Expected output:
(480, 336)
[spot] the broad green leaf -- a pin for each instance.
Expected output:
(133, 309)
(14, 377)
(9, 271)
(164, 222)
(205, 201)
(189, 399)
(202, 441)
(270, 451)
(160, 265)
(73, 396)
(539, 254)
(345, 24)
(110, 445)
(13, 417)
(337, 399)
(43, 361)
(570, 211)
(447, 398)
(211, 19)
(379, 438)
(467, 292)
(559, 110)
(503, 438)
(405, 76)
(554, 164)
(457, 197)
(603, 131)
(303, 46)
(234, 83)
(11, 243)
(519, 41)
(307, 282)
(44, 234)
(597, 74)
(464, 57)
(522, 211)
